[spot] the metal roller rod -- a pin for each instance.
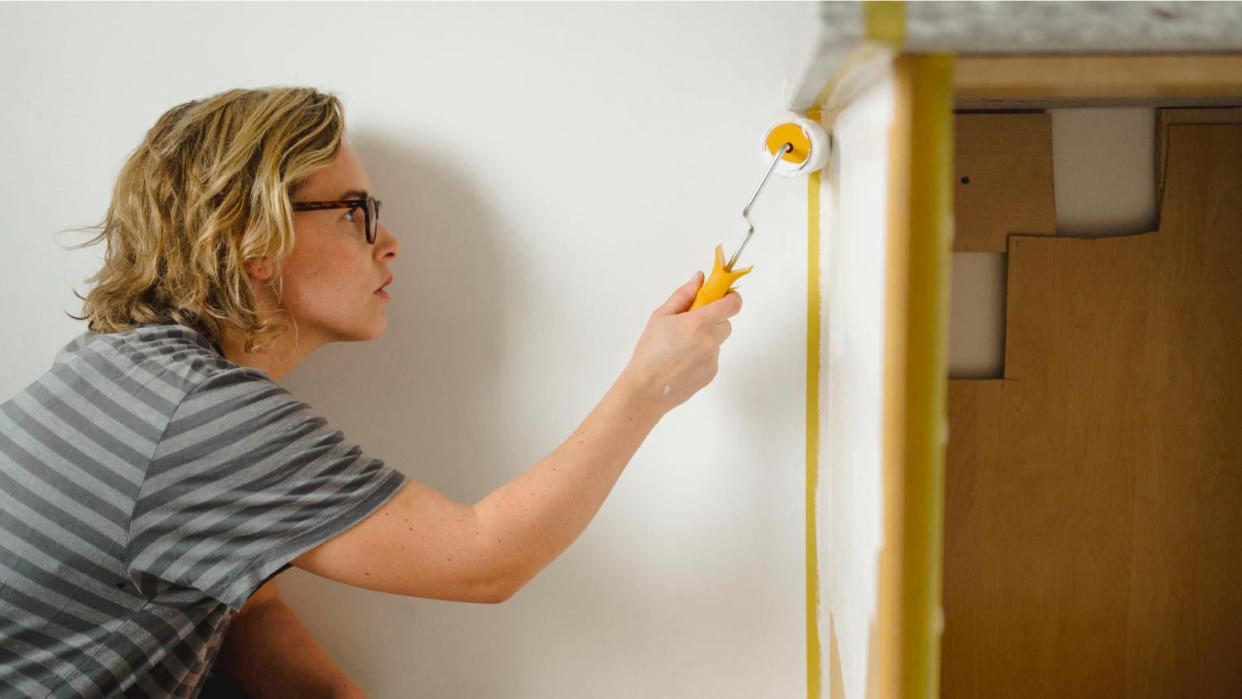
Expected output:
(750, 228)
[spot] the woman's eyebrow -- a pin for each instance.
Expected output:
(354, 193)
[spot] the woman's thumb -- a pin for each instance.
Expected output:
(683, 297)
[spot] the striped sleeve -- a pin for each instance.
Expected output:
(245, 479)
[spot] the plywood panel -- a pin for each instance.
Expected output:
(1185, 607)
(1094, 495)
(1003, 173)
(1168, 117)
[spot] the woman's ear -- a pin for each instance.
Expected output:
(259, 268)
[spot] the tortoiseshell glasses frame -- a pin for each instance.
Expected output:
(370, 210)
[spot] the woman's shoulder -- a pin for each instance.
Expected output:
(171, 357)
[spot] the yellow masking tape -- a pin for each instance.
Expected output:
(812, 432)
(885, 22)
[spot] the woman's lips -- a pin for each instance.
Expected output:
(380, 291)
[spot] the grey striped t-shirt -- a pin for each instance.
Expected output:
(148, 486)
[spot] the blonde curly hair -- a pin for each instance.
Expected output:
(209, 188)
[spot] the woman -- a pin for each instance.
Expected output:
(156, 479)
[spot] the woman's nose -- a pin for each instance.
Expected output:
(387, 241)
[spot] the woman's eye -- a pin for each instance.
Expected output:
(349, 215)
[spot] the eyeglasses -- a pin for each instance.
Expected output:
(370, 210)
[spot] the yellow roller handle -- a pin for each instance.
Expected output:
(718, 282)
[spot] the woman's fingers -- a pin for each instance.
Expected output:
(723, 308)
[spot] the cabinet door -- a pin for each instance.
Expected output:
(880, 234)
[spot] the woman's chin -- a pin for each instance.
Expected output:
(358, 333)
(376, 329)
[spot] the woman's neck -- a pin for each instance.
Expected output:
(278, 359)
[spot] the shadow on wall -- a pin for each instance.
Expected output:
(421, 395)
(427, 398)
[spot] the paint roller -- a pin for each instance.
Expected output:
(794, 146)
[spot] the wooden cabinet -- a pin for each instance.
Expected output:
(1073, 527)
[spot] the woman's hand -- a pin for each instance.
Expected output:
(680, 349)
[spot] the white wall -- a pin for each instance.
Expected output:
(554, 172)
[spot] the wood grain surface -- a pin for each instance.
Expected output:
(1093, 527)
(1003, 171)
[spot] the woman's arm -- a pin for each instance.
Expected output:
(268, 652)
(423, 543)
(538, 514)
